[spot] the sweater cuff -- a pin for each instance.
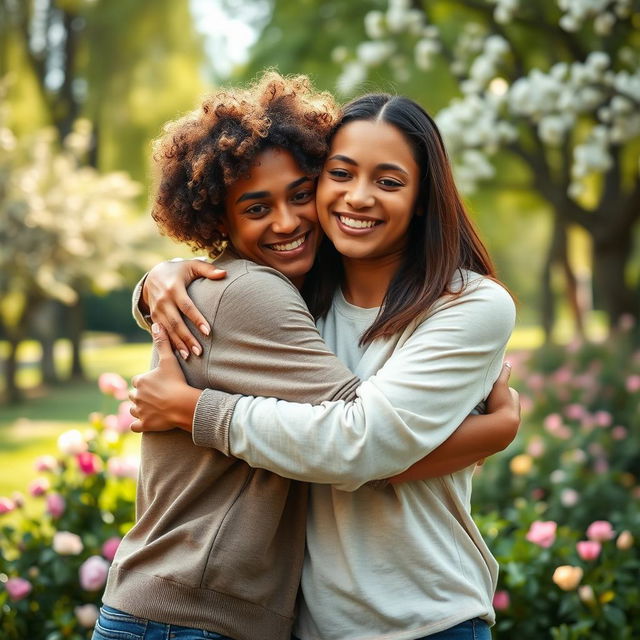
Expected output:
(143, 320)
(212, 419)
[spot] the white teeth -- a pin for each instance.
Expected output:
(290, 246)
(357, 224)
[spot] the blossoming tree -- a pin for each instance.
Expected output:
(548, 90)
(64, 229)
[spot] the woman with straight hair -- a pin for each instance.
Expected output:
(405, 294)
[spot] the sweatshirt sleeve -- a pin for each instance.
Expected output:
(143, 321)
(413, 403)
(264, 343)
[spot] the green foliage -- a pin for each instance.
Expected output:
(575, 462)
(62, 548)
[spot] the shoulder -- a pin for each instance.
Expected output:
(478, 305)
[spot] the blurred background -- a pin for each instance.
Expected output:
(539, 104)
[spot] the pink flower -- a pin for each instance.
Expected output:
(619, 433)
(501, 600)
(39, 486)
(569, 497)
(46, 463)
(18, 588)
(588, 549)
(89, 463)
(110, 547)
(123, 467)
(600, 465)
(7, 505)
(72, 442)
(537, 494)
(86, 615)
(603, 418)
(93, 573)
(536, 447)
(553, 422)
(113, 384)
(535, 382)
(67, 544)
(562, 375)
(542, 533)
(633, 383)
(574, 411)
(600, 531)
(55, 504)
(18, 499)
(120, 423)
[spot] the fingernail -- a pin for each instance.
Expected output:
(507, 364)
(184, 354)
(155, 328)
(196, 350)
(205, 329)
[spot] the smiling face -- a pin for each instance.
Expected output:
(270, 215)
(367, 191)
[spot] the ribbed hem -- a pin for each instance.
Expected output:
(143, 321)
(212, 419)
(163, 600)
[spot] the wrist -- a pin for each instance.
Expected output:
(185, 408)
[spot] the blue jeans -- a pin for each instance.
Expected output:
(475, 629)
(118, 625)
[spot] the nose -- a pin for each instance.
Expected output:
(286, 221)
(359, 196)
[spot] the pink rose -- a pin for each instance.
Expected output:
(67, 544)
(501, 600)
(633, 384)
(72, 442)
(110, 547)
(542, 533)
(588, 549)
(603, 418)
(89, 463)
(124, 416)
(46, 463)
(600, 531)
(86, 615)
(39, 487)
(7, 505)
(18, 588)
(113, 384)
(536, 447)
(93, 573)
(575, 412)
(123, 467)
(619, 432)
(55, 504)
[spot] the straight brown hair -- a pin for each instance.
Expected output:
(441, 238)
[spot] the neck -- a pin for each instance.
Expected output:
(366, 281)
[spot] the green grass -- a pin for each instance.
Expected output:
(31, 429)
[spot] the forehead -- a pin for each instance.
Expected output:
(373, 142)
(273, 169)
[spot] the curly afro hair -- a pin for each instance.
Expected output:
(201, 154)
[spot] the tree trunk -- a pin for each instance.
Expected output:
(612, 293)
(75, 314)
(557, 255)
(12, 391)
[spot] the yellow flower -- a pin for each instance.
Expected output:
(567, 577)
(625, 541)
(607, 596)
(521, 465)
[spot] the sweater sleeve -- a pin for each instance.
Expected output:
(264, 342)
(413, 403)
(143, 321)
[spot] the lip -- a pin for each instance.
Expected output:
(356, 232)
(291, 253)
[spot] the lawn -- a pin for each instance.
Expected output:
(32, 428)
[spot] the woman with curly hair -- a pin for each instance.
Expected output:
(218, 545)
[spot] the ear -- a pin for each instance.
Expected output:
(222, 230)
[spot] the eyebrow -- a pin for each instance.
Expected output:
(257, 195)
(387, 166)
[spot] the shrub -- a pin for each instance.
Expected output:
(561, 508)
(57, 544)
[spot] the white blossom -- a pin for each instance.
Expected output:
(424, 52)
(372, 54)
(374, 25)
(353, 74)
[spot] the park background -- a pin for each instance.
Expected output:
(539, 104)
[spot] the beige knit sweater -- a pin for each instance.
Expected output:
(218, 545)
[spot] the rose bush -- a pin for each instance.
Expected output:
(560, 508)
(57, 545)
